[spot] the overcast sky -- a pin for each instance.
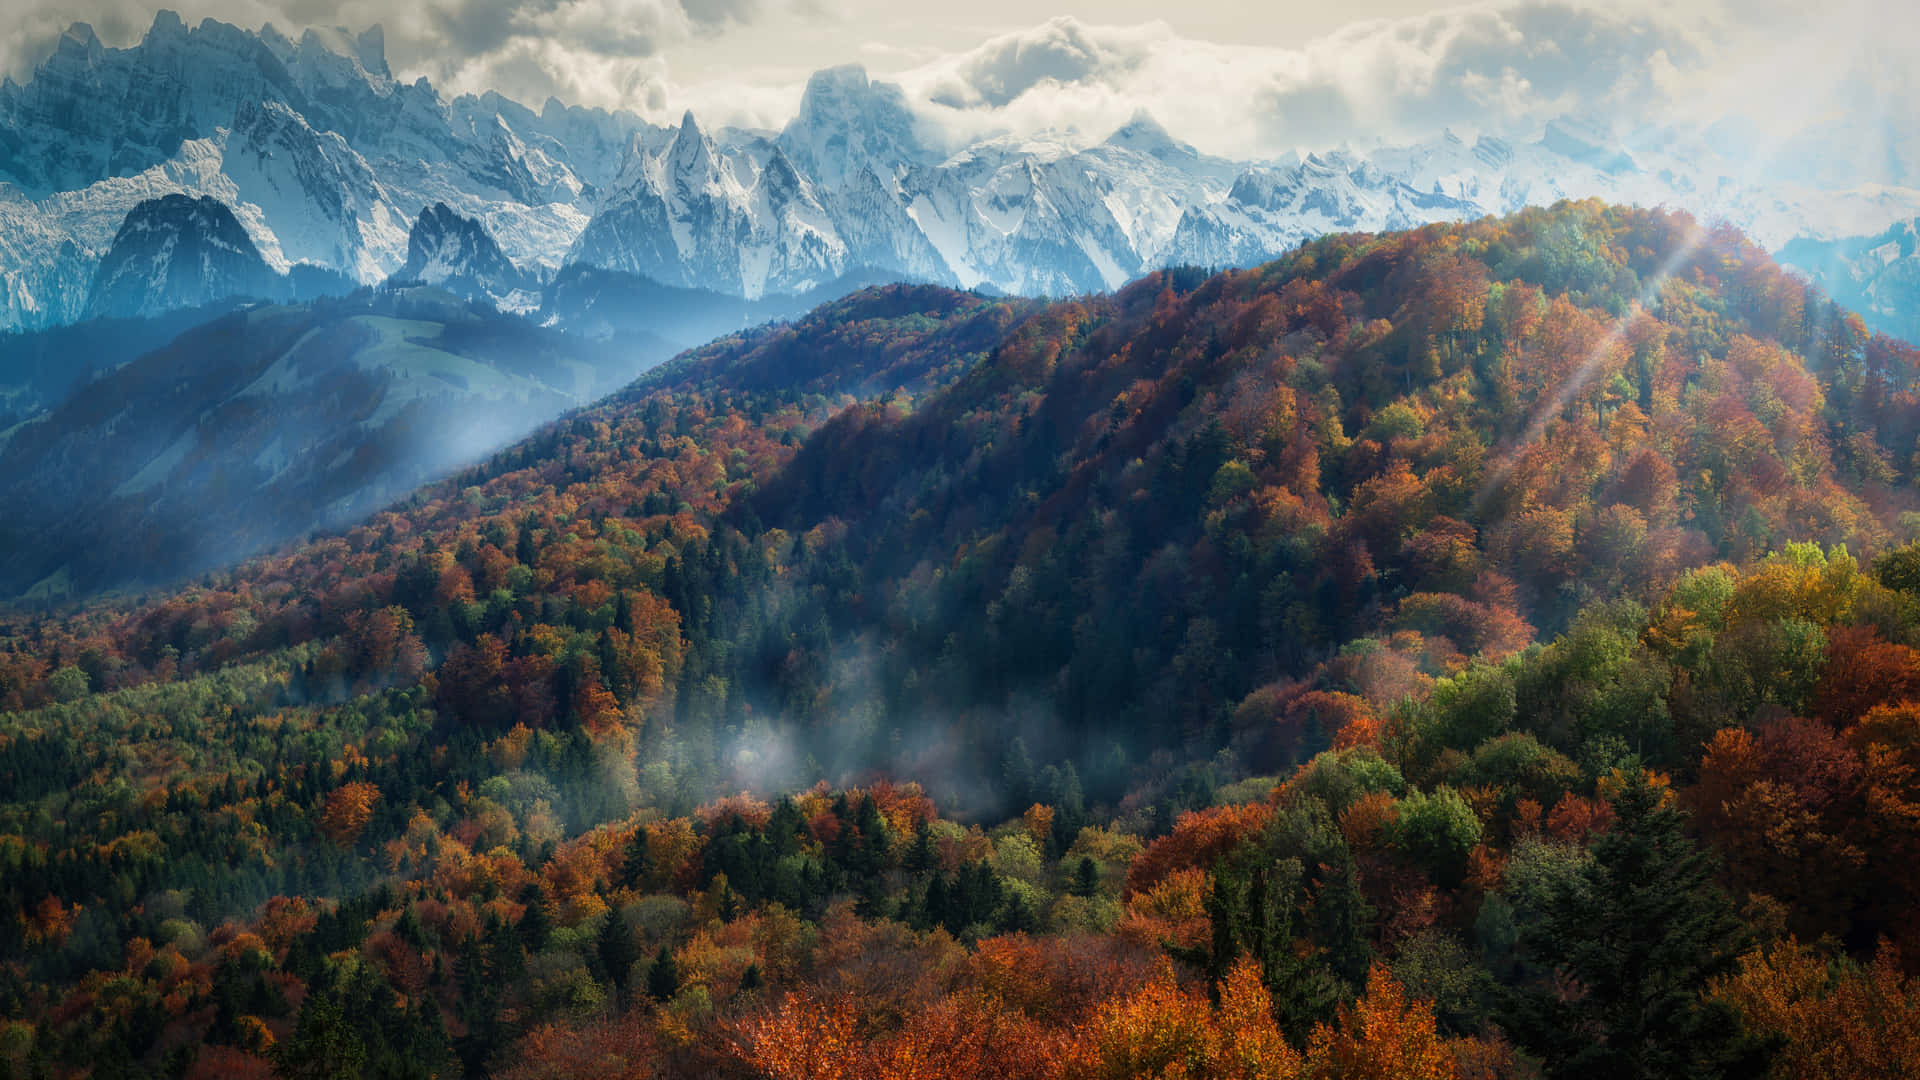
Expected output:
(1239, 77)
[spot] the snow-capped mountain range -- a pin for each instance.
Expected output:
(325, 160)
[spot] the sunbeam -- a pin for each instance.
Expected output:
(1845, 42)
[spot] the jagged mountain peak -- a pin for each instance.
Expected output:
(167, 26)
(691, 163)
(691, 146)
(837, 94)
(325, 158)
(80, 42)
(454, 251)
(371, 47)
(1588, 143)
(779, 173)
(276, 42)
(848, 122)
(1144, 133)
(440, 219)
(843, 78)
(176, 252)
(181, 209)
(1492, 150)
(332, 57)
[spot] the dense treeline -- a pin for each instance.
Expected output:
(1439, 654)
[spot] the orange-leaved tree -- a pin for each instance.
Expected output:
(347, 810)
(1384, 1036)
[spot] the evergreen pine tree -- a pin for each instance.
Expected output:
(506, 963)
(525, 551)
(934, 902)
(636, 867)
(869, 857)
(40, 1052)
(1252, 907)
(428, 1052)
(536, 926)
(1017, 774)
(663, 977)
(409, 930)
(324, 1045)
(1643, 928)
(616, 950)
(470, 972)
(870, 898)
(1086, 877)
(920, 855)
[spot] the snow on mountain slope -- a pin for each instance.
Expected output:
(326, 159)
(848, 124)
(321, 155)
(881, 231)
(794, 245)
(586, 144)
(316, 194)
(177, 252)
(90, 112)
(1877, 276)
(43, 275)
(695, 215)
(457, 253)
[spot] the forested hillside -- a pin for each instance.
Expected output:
(1484, 651)
(198, 445)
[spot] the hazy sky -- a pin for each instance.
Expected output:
(1238, 77)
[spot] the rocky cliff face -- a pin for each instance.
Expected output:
(455, 252)
(326, 159)
(177, 252)
(322, 156)
(1877, 276)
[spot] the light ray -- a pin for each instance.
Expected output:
(1849, 47)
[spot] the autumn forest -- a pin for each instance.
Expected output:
(1490, 650)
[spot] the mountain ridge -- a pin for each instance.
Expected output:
(963, 682)
(177, 252)
(268, 422)
(324, 157)
(448, 249)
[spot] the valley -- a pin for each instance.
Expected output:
(667, 540)
(976, 681)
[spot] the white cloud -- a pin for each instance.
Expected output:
(1493, 67)
(531, 69)
(608, 53)
(1819, 94)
